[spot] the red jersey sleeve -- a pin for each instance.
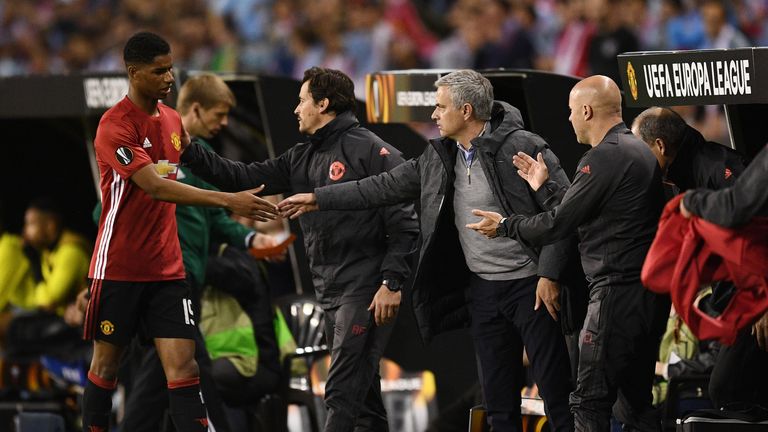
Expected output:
(118, 145)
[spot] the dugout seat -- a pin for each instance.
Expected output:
(306, 321)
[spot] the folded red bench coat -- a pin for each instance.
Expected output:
(689, 254)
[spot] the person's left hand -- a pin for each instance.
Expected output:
(185, 139)
(760, 330)
(266, 241)
(533, 171)
(298, 204)
(385, 305)
(487, 225)
(661, 369)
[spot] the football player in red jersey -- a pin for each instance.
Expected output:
(136, 270)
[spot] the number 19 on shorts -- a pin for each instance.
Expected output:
(188, 314)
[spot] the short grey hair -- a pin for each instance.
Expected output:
(468, 86)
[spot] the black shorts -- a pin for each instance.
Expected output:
(118, 310)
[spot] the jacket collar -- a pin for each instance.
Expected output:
(618, 128)
(341, 123)
(505, 119)
(446, 149)
(682, 167)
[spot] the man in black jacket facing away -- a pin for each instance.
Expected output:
(358, 260)
(687, 160)
(470, 167)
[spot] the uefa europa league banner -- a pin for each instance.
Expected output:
(401, 96)
(704, 77)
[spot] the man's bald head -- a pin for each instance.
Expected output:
(595, 104)
(599, 92)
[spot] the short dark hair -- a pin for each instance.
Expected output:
(143, 47)
(48, 206)
(332, 84)
(657, 122)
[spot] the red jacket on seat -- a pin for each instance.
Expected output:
(688, 254)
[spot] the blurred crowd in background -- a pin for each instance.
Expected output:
(285, 37)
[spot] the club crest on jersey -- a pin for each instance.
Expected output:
(107, 328)
(337, 171)
(176, 141)
(124, 155)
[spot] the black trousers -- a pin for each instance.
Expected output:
(503, 322)
(741, 373)
(353, 390)
(619, 345)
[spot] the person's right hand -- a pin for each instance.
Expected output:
(684, 211)
(74, 313)
(297, 205)
(760, 330)
(487, 225)
(533, 171)
(246, 203)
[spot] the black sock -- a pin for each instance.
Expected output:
(97, 403)
(186, 405)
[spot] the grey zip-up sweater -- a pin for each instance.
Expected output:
(442, 274)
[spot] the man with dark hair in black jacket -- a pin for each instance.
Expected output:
(358, 260)
(686, 158)
(470, 167)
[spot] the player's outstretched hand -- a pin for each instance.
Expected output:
(533, 171)
(297, 205)
(246, 203)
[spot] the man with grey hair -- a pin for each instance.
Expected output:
(470, 167)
